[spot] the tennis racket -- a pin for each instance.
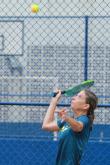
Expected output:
(76, 89)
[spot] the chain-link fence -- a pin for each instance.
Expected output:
(66, 42)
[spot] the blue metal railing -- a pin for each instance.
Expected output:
(42, 104)
(86, 49)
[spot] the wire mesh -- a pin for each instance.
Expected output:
(46, 50)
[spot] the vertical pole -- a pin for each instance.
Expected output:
(86, 49)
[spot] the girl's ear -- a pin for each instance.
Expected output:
(86, 106)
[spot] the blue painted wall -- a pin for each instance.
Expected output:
(21, 151)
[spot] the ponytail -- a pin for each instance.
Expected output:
(92, 100)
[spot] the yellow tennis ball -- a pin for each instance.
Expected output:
(34, 8)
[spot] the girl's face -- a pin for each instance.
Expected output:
(78, 102)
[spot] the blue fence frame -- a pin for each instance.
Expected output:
(31, 151)
(86, 48)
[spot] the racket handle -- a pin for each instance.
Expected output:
(55, 93)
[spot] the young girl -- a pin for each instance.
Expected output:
(74, 131)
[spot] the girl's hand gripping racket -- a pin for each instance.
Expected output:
(76, 89)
